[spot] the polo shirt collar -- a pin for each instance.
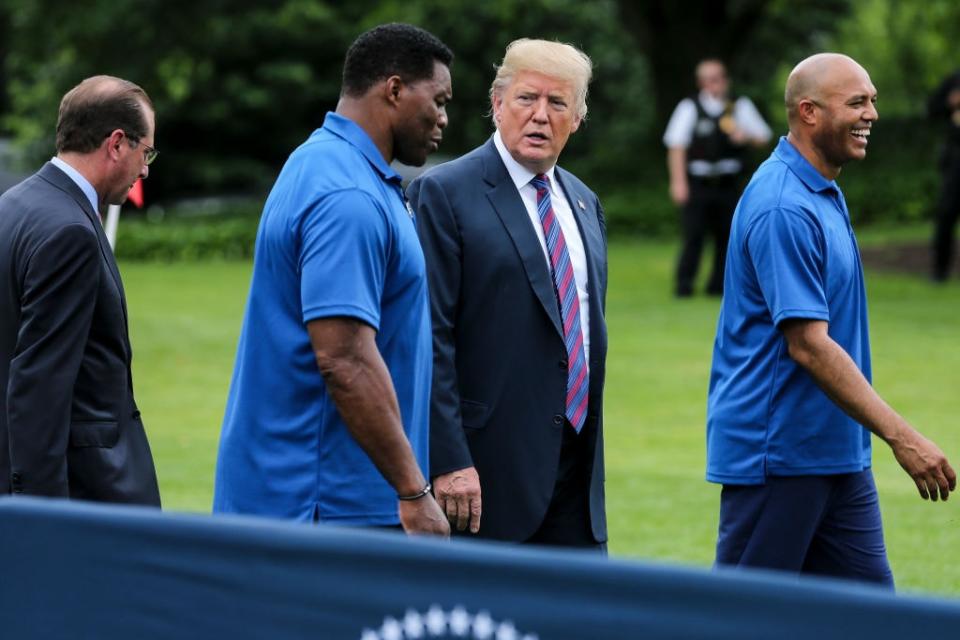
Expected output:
(800, 166)
(352, 132)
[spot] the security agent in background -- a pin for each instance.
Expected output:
(706, 139)
(945, 105)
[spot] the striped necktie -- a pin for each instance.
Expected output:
(565, 287)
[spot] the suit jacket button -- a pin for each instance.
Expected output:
(563, 364)
(558, 419)
(16, 477)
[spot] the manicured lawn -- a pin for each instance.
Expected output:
(185, 319)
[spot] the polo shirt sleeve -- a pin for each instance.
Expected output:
(787, 251)
(343, 257)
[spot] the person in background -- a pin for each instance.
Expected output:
(944, 105)
(706, 139)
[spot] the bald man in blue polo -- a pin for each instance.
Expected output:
(791, 407)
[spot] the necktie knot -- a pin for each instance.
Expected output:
(540, 182)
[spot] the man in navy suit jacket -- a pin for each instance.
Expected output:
(69, 426)
(516, 418)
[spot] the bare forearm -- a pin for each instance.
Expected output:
(839, 377)
(365, 398)
(360, 386)
(677, 164)
(811, 346)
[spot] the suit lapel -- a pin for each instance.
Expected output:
(62, 181)
(509, 207)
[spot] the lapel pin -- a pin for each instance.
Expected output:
(583, 207)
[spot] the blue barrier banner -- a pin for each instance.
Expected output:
(76, 570)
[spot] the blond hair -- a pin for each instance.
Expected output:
(555, 59)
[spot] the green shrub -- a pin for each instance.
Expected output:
(172, 238)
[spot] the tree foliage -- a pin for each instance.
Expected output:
(753, 37)
(239, 83)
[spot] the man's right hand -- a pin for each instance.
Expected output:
(925, 463)
(458, 494)
(423, 517)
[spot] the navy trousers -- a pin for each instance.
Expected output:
(826, 525)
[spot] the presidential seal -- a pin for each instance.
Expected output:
(439, 623)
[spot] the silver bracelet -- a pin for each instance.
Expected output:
(417, 496)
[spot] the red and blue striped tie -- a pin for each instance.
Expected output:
(565, 287)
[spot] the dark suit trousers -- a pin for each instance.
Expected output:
(567, 521)
(709, 210)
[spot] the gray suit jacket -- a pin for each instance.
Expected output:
(69, 425)
(499, 384)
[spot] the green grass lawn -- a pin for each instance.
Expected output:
(185, 319)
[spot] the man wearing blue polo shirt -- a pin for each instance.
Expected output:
(327, 415)
(790, 406)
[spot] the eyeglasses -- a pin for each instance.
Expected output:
(149, 153)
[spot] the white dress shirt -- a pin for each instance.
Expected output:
(521, 177)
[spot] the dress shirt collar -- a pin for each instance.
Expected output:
(82, 182)
(520, 175)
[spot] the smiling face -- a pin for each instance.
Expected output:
(847, 104)
(535, 115)
(422, 116)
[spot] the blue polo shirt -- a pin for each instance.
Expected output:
(792, 254)
(336, 239)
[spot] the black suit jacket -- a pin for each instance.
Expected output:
(69, 425)
(499, 383)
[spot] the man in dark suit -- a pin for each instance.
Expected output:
(516, 259)
(69, 426)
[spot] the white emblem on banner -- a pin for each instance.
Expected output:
(437, 623)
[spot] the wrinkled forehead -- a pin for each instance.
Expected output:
(541, 82)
